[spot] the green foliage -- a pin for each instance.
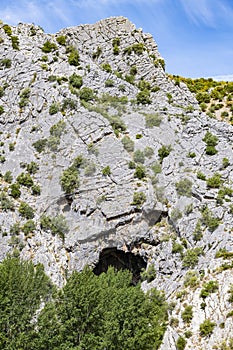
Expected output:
(191, 256)
(164, 152)
(211, 141)
(25, 180)
(184, 187)
(206, 328)
(40, 145)
(76, 80)
(127, 143)
(209, 219)
(197, 234)
(73, 58)
(97, 53)
(24, 97)
(130, 79)
(106, 171)
(177, 248)
(140, 172)
(156, 168)
(208, 288)
(36, 190)
(5, 62)
(48, 46)
(133, 70)
(201, 176)
(153, 120)
(139, 198)
(7, 29)
(187, 314)
(26, 211)
(148, 152)
(191, 279)
(61, 40)
(139, 156)
(69, 179)
(86, 94)
(149, 274)
(54, 108)
(5, 202)
(28, 227)
(23, 287)
(144, 85)
(175, 214)
(68, 103)
(15, 42)
(15, 190)
(214, 181)
(143, 97)
(103, 312)
(138, 48)
(225, 162)
(57, 225)
(8, 176)
(107, 67)
(181, 343)
(109, 83)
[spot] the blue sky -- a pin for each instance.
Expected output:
(195, 37)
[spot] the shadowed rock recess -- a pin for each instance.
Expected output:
(101, 153)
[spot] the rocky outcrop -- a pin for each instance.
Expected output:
(147, 184)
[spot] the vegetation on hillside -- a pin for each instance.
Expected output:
(90, 312)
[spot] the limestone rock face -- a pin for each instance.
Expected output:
(99, 93)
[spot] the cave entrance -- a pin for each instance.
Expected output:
(120, 260)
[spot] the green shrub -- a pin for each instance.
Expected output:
(144, 85)
(86, 94)
(5, 62)
(156, 168)
(209, 220)
(68, 103)
(187, 314)
(1, 110)
(130, 79)
(90, 169)
(56, 130)
(106, 171)
(54, 108)
(5, 202)
(206, 328)
(139, 156)
(57, 225)
(153, 120)
(148, 152)
(26, 211)
(61, 40)
(48, 46)
(40, 145)
(177, 248)
(97, 53)
(73, 58)
(25, 180)
(197, 234)
(176, 214)
(138, 199)
(140, 172)
(211, 141)
(184, 187)
(36, 190)
(138, 48)
(201, 176)
(29, 227)
(109, 83)
(164, 152)
(2, 91)
(143, 97)
(133, 70)
(107, 67)
(69, 179)
(24, 97)
(149, 275)
(76, 80)
(181, 343)
(15, 42)
(225, 162)
(8, 176)
(214, 181)
(15, 190)
(7, 29)
(191, 279)
(208, 288)
(128, 143)
(191, 256)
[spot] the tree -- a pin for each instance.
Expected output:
(23, 287)
(103, 312)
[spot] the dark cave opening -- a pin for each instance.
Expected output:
(120, 260)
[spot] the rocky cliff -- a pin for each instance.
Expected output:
(102, 153)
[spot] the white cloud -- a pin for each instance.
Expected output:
(208, 12)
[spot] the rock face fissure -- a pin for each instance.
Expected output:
(120, 260)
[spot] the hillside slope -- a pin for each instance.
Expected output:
(100, 149)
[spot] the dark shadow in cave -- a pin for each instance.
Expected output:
(120, 260)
